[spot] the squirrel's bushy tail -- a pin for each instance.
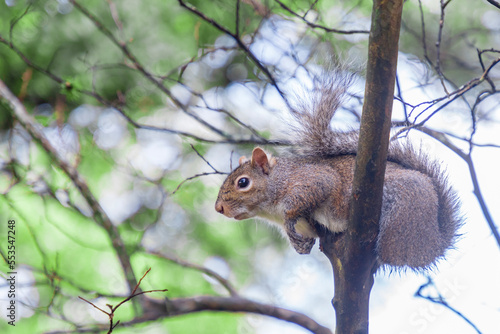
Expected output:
(313, 136)
(449, 217)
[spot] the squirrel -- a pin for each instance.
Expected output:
(420, 212)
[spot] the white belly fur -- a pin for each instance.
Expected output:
(321, 215)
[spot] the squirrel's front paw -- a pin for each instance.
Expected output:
(305, 246)
(301, 244)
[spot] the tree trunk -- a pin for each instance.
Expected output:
(352, 254)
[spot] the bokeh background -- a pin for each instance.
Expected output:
(151, 102)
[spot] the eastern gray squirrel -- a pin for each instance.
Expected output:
(419, 218)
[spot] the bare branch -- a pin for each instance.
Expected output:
(240, 43)
(113, 309)
(215, 171)
(115, 16)
(15, 21)
(180, 306)
(442, 301)
(224, 282)
(424, 40)
(94, 305)
(494, 3)
(192, 178)
(174, 307)
(451, 97)
(472, 171)
(99, 215)
(438, 48)
(259, 140)
(317, 26)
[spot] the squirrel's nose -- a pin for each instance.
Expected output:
(219, 207)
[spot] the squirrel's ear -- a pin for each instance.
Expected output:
(260, 159)
(242, 160)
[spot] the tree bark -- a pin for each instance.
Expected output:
(352, 254)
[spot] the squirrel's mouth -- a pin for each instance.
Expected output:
(241, 216)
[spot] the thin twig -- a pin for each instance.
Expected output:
(113, 309)
(215, 171)
(441, 301)
(94, 305)
(400, 98)
(424, 41)
(317, 26)
(206, 161)
(438, 48)
(240, 43)
(451, 97)
(116, 17)
(14, 22)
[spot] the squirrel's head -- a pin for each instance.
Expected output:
(245, 190)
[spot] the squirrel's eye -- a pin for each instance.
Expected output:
(243, 182)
